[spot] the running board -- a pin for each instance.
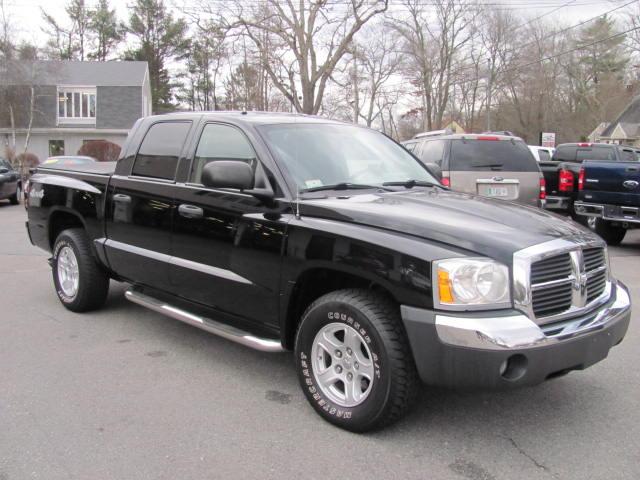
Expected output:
(211, 326)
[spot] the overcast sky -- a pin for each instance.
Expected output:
(26, 13)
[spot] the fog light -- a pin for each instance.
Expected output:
(514, 367)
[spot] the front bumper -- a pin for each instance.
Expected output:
(507, 350)
(613, 213)
(557, 203)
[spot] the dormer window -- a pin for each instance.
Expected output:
(76, 105)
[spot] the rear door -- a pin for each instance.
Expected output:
(139, 207)
(494, 167)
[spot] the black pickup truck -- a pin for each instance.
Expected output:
(561, 172)
(288, 232)
(610, 197)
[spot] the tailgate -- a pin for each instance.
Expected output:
(550, 173)
(611, 182)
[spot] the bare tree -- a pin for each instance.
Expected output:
(431, 47)
(300, 44)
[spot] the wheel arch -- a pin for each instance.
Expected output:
(61, 219)
(316, 281)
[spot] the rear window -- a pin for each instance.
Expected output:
(565, 154)
(491, 155)
(433, 151)
(544, 156)
(595, 153)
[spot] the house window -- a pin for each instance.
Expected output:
(75, 103)
(56, 147)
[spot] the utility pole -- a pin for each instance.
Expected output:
(489, 75)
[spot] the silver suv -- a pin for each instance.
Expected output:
(498, 166)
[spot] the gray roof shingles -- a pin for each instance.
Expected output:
(66, 72)
(630, 115)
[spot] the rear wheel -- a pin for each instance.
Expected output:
(612, 234)
(15, 199)
(81, 284)
(353, 360)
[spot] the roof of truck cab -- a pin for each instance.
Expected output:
(257, 118)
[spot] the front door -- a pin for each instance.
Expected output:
(139, 208)
(225, 251)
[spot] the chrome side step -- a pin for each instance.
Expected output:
(211, 326)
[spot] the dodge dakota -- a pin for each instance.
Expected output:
(291, 232)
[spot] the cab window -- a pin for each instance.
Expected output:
(221, 142)
(160, 150)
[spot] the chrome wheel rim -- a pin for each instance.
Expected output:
(342, 364)
(68, 271)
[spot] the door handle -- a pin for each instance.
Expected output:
(118, 197)
(190, 211)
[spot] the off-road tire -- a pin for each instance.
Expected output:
(377, 319)
(93, 284)
(611, 234)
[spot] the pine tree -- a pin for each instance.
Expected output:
(161, 38)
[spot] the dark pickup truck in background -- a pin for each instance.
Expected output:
(610, 197)
(289, 232)
(562, 171)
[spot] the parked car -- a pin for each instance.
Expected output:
(610, 197)
(67, 161)
(286, 232)
(561, 173)
(493, 165)
(10, 183)
(542, 154)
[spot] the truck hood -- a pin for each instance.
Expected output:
(493, 228)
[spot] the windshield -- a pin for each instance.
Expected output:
(316, 155)
(500, 155)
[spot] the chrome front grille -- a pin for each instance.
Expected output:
(595, 264)
(552, 291)
(552, 268)
(560, 279)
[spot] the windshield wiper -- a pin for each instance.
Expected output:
(412, 183)
(343, 186)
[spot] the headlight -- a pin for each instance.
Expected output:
(470, 283)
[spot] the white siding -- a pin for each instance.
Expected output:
(39, 143)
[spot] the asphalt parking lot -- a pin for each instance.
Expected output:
(125, 393)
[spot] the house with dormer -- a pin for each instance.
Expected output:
(624, 130)
(56, 106)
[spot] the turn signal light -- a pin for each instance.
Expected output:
(565, 181)
(543, 189)
(444, 287)
(581, 179)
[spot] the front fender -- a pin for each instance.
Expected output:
(396, 262)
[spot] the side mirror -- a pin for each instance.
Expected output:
(434, 169)
(4, 170)
(228, 174)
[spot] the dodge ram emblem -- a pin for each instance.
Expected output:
(630, 184)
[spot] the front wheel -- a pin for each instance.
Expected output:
(354, 362)
(611, 234)
(81, 284)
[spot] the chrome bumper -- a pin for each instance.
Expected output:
(614, 213)
(556, 203)
(518, 331)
